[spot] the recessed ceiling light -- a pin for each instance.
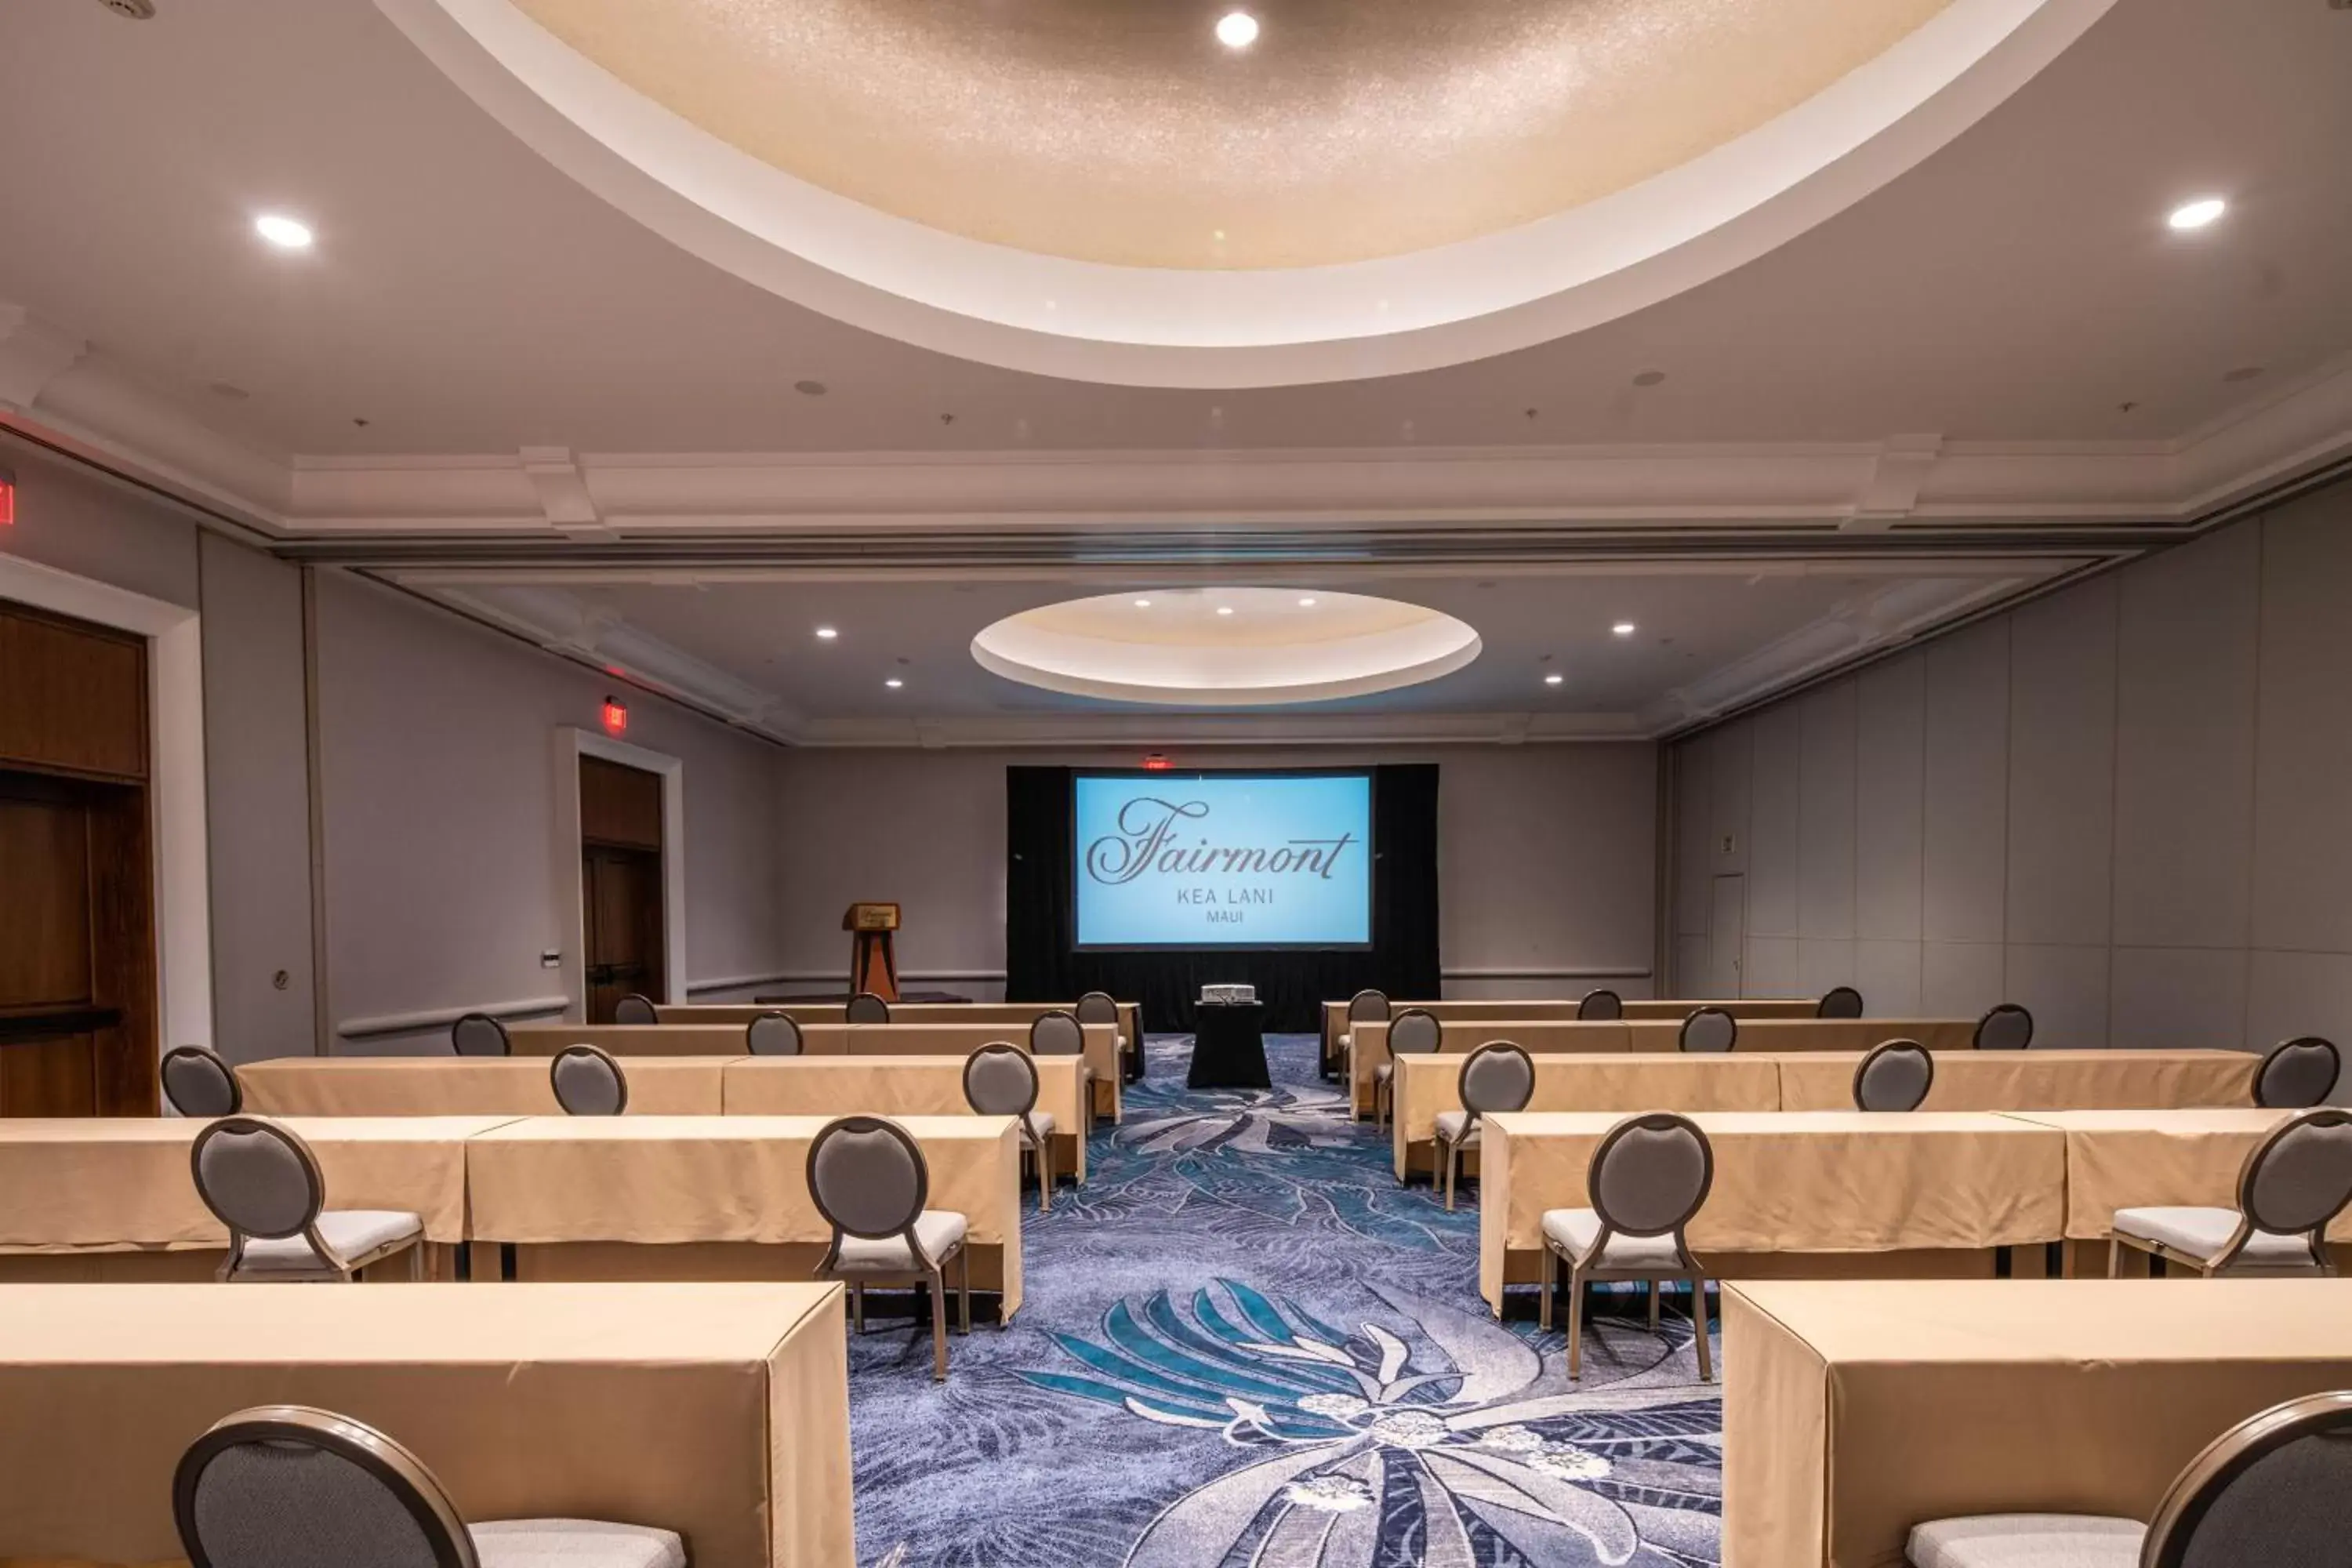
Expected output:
(894, 683)
(1224, 609)
(1143, 604)
(1307, 603)
(1623, 629)
(2199, 213)
(285, 233)
(2243, 373)
(1649, 377)
(826, 634)
(810, 388)
(1554, 679)
(1237, 29)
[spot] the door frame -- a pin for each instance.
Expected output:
(175, 779)
(572, 743)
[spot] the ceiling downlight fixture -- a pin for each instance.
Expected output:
(1237, 29)
(2198, 214)
(285, 233)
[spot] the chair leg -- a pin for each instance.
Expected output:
(857, 1309)
(963, 1289)
(1046, 1173)
(2114, 1257)
(939, 1327)
(1656, 1289)
(1453, 1163)
(416, 1261)
(1551, 1285)
(1575, 1322)
(1698, 1325)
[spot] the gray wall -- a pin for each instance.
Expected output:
(1547, 858)
(2123, 807)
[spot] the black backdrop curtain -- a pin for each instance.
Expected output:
(1040, 965)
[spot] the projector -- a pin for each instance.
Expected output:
(1227, 996)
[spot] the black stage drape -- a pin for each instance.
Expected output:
(1040, 965)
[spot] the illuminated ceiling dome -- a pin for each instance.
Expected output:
(1100, 188)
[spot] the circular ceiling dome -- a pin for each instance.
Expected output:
(1225, 647)
(1101, 190)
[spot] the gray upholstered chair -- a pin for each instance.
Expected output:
(479, 1035)
(198, 1083)
(263, 1183)
(1364, 1005)
(2292, 1185)
(2276, 1488)
(867, 1008)
(588, 1082)
(1497, 1076)
(1838, 1002)
(2008, 1027)
(2297, 1074)
(772, 1035)
(1647, 1179)
(285, 1486)
(1895, 1076)
(1000, 1080)
(1709, 1031)
(870, 1181)
(634, 1009)
(1059, 1034)
(1102, 1008)
(1411, 1033)
(1600, 1005)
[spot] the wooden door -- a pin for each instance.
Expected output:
(78, 1003)
(1727, 939)
(621, 883)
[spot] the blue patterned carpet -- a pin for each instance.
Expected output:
(1245, 1346)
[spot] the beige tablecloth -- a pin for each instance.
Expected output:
(1335, 1013)
(2039, 1080)
(113, 1186)
(897, 1087)
(2139, 1159)
(1854, 1410)
(631, 1040)
(1650, 1081)
(1794, 1182)
(455, 1086)
(720, 1412)
(1542, 1036)
(1001, 1015)
(678, 1181)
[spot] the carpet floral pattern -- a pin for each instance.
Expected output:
(1245, 1346)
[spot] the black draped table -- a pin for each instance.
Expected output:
(1229, 1047)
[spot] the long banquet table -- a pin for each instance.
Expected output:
(1930, 1191)
(106, 1198)
(1853, 1410)
(1425, 1086)
(1562, 1009)
(898, 1086)
(718, 1411)
(680, 1198)
(465, 1086)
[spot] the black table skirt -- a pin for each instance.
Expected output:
(1229, 1047)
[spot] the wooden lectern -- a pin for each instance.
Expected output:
(871, 966)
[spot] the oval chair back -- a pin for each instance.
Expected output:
(259, 1180)
(1650, 1175)
(1895, 1076)
(1600, 1005)
(2274, 1489)
(284, 1486)
(1415, 1032)
(2297, 1180)
(2008, 1027)
(1000, 1080)
(479, 1035)
(1496, 1077)
(868, 1180)
(1058, 1033)
(588, 1082)
(1709, 1030)
(1368, 1006)
(772, 1035)
(867, 1008)
(1098, 1007)
(2297, 1074)
(1838, 1002)
(634, 1009)
(198, 1083)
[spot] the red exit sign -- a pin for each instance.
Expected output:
(7, 498)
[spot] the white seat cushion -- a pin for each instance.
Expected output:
(2027, 1541)
(574, 1543)
(937, 1230)
(1578, 1229)
(1347, 1040)
(1450, 1124)
(2202, 1233)
(353, 1233)
(1383, 1072)
(1042, 1120)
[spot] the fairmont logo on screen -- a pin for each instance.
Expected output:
(1223, 859)
(1149, 840)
